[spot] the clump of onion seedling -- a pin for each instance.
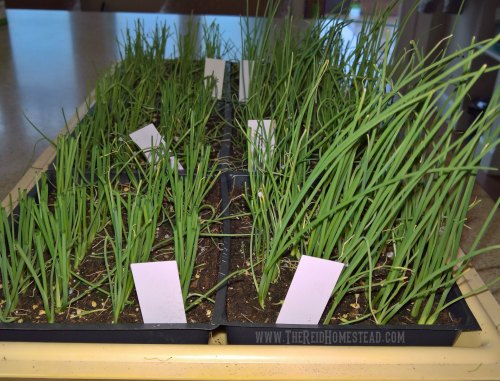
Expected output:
(13, 277)
(134, 218)
(214, 44)
(346, 182)
(187, 193)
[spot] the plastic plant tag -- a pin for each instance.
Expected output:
(147, 139)
(311, 287)
(159, 291)
(246, 69)
(262, 136)
(215, 68)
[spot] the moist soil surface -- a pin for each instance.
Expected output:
(96, 307)
(242, 303)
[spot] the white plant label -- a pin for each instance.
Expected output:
(246, 69)
(159, 291)
(262, 136)
(147, 139)
(311, 287)
(215, 68)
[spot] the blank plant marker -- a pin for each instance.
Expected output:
(311, 287)
(262, 135)
(246, 69)
(159, 291)
(215, 68)
(148, 138)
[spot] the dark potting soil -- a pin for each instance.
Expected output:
(95, 307)
(242, 302)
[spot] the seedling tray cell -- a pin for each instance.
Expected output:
(360, 334)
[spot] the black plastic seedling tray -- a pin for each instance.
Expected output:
(358, 335)
(189, 333)
(334, 335)
(107, 333)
